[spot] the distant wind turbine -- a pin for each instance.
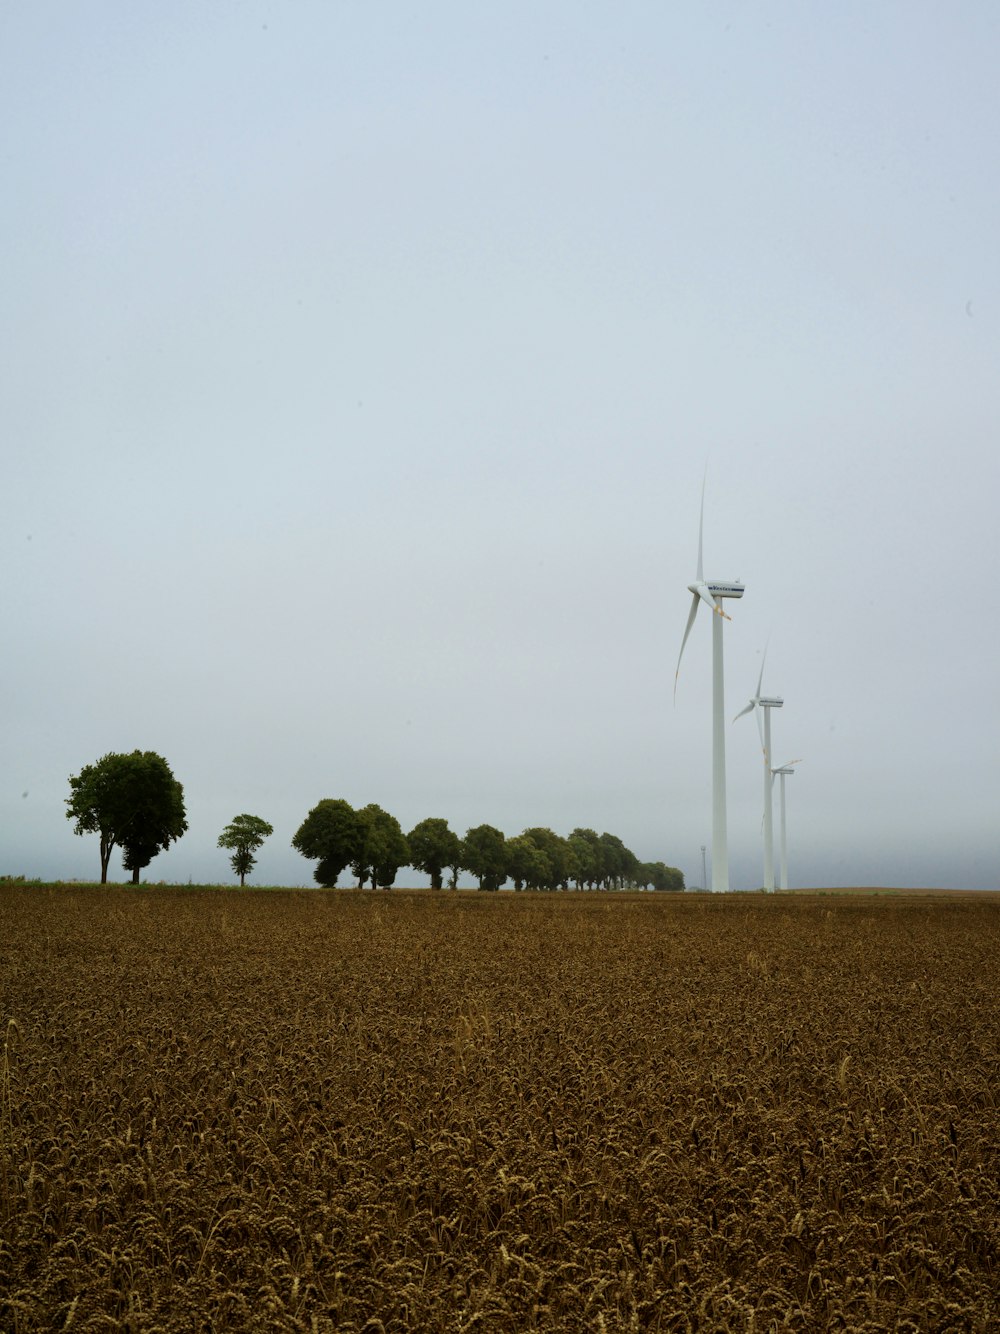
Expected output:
(711, 592)
(784, 771)
(763, 704)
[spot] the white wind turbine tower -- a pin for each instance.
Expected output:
(711, 592)
(784, 771)
(764, 704)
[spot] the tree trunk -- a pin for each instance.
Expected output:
(106, 850)
(135, 876)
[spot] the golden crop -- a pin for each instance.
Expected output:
(347, 1111)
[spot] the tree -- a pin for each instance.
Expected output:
(527, 866)
(333, 834)
(433, 846)
(587, 857)
(243, 837)
(618, 861)
(133, 801)
(556, 855)
(136, 855)
(455, 863)
(666, 878)
(383, 849)
(642, 876)
(484, 855)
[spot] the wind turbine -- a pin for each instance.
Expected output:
(784, 771)
(764, 704)
(711, 592)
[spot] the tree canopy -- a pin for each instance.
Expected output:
(483, 854)
(333, 833)
(133, 801)
(659, 876)
(554, 858)
(433, 846)
(243, 836)
(588, 858)
(526, 864)
(383, 848)
(373, 844)
(618, 861)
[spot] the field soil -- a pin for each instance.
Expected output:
(307, 1111)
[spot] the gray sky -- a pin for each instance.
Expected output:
(361, 364)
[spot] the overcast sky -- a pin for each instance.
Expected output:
(361, 364)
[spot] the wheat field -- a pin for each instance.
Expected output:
(308, 1111)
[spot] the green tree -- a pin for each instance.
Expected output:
(333, 834)
(242, 838)
(133, 802)
(485, 856)
(527, 865)
(136, 855)
(618, 861)
(642, 876)
(383, 849)
(556, 854)
(456, 863)
(666, 878)
(587, 852)
(433, 846)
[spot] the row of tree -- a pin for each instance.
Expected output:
(135, 803)
(371, 843)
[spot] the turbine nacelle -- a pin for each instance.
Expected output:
(700, 593)
(723, 588)
(784, 771)
(759, 701)
(760, 706)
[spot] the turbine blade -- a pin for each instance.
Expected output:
(760, 733)
(760, 679)
(751, 705)
(701, 526)
(764, 813)
(691, 615)
(706, 596)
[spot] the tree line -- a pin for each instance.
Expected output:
(135, 803)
